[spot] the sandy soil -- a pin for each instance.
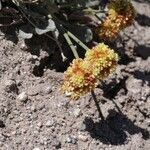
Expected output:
(34, 115)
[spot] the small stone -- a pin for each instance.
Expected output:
(82, 137)
(32, 58)
(49, 123)
(10, 85)
(48, 90)
(22, 97)
(23, 46)
(33, 91)
(33, 108)
(39, 124)
(82, 126)
(77, 112)
(13, 133)
(134, 85)
(36, 148)
(68, 94)
(71, 139)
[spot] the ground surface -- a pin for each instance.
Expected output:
(34, 115)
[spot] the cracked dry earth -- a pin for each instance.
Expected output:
(34, 115)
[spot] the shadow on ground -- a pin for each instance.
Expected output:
(142, 51)
(144, 76)
(113, 89)
(143, 1)
(143, 20)
(114, 129)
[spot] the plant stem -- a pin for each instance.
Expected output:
(71, 45)
(97, 105)
(78, 41)
(66, 35)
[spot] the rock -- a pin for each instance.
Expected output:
(49, 123)
(33, 108)
(23, 97)
(39, 124)
(33, 91)
(82, 137)
(46, 90)
(32, 58)
(36, 148)
(71, 139)
(134, 85)
(23, 46)
(82, 126)
(10, 85)
(77, 112)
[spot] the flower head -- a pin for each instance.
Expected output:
(83, 74)
(78, 79)
(103, 61)
(121, 14)
(108, 30)
(124, 11)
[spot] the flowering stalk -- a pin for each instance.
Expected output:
(83, 74)
(121, 14)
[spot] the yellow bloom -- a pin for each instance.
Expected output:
(121, 14)
(108, 30)
(78, 79)
(125, 11)
(103, 60)
(83, 74)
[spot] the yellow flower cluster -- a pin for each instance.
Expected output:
(78, 79)
(103, 61)
(121, 14)
(83, 74)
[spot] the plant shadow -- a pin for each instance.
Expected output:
(143, 1)
(114, 129)
(114, 88)
(142, 51)
(144, 76)
(143, 20)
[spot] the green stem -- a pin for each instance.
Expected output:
(78, 41)
(71, 45)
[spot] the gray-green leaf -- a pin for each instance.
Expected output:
(50, 27)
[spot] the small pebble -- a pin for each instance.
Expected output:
(22, 97)
(71, 139)
(82, 137)
(49, 123)
(39, 124)
(32, 58)
(82, 126)
(10, 85)
(36, 148)
(33, 108)
(47, 90)
(77, 112)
